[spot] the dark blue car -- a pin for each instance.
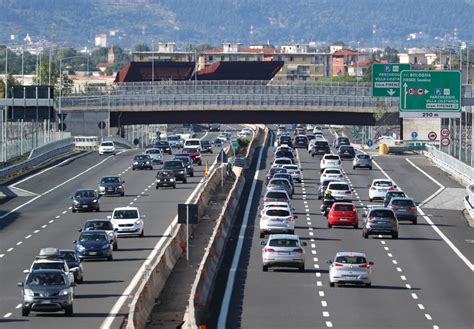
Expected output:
(94, 244)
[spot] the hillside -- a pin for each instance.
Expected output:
(247, 21)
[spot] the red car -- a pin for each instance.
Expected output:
(344, 214)
(194, 153)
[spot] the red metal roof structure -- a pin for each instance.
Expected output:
(345, 52)
(142, 71)
(240, 70)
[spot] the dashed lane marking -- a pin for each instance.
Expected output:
(36, 231)
(389, 255)
(2, 255)
(19, 243)
(44, 226)
(399, 269)
(65, 211)
(311, 233)
(7, 315)
(51, 221)
(428, 316)
(394, 261)
(313, 252)
(326, 314)
(58, 216)
(10, 249)
(408, 286)
(319, 283)
(318, 275)
(321, 293)
(421, 307)
(323, 303)
(404, 278)
(414, 296)
(329, 324)
(18, 306)
(28, 236)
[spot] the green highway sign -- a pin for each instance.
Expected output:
(386, 79)
(431, 93)
(235, 145)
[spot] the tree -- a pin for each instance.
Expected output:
(391, 55)
(11, 82)
(380, 110)
(42, 75)
(141, 47)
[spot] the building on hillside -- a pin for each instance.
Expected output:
(342, 59)
(101, 40)
(102, 67)
(165, 52)
(361, 68)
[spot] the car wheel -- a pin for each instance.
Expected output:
(368, 285)
(169, 152)
(371, 199)
(185, 181)
(133, 169)
(25, 311)
(111, 257)
(353, 168)
(174, 186)
(356, 226)
(122, 194)
(200, 163)
(80, 279)
(395, 236)
(73, 210)
(115, 248)
(365, 235)
(291, 231)
(156, 187)
(262, 235)
(415, 221)
(142, 234)
(69, 310)
(192, 174)
(97, 210)
(265, 268)
(329, 225)
(370, 168)
(331, 284)
(301, 268)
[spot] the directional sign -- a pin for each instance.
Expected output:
(414, 134)
(445, 141)
(370, 143)
(101, 124)
(432, 136)
(386, 79)
(445, 132)
(235, 144)
(430, 94)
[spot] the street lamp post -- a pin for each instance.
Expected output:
(108, 123)
(152, 62)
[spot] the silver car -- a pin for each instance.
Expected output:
(350, 267)
(362, 161)
(281, 184)
(283, 250)
(155, 155)
(380, 221)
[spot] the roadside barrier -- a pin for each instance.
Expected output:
(458, 169)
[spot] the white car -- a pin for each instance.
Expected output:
(51, 264)
(107, 147)
(294, 171)
(340, 191)
(175, 141)
(380, 187)
(127, 221)
(332, 173)
(317, 130)
(280, 162)
(330, 161)
(277, 220)
(350, 268)
(309, 127)
(155, 154)
(193, 142)
(283, 250)
(275, 204)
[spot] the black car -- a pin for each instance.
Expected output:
(346, 152)
(284, 154)
(111, 185)
(74, 264)
(320, 148)
(142, 161)
(206, 147)
(273, 171)
(85, 200)
(285, 139)
(301, 141)
(165, 178)
(187, 161)
(178, 169)
(164, 146)
(341, 141)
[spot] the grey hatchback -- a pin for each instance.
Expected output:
(362, 161)
(405, 209)
(380, 221)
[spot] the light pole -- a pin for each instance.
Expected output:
(357, 68)
(108, 123)
(152, 62)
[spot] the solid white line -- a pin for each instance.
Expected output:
(323, 303)
(428, 316)
(222, 321)
(424, 173)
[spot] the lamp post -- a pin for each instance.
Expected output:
(108, 123)
(152, 62)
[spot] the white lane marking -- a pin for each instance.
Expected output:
(58, 216)
(315, 259)
(394, 261)
(404, 278)
(9, 249)
(433, 226)
(323, 303)
(136, 198)
(311, 233)
(382, 242)
(7, 315)
(312, 240)
(69, 208)
(144, 191)
(318, 275)
(319, 283)
(399, 269)
(321, 293)
(421, 307)
(441, 186)
(386, 248)
(305, 202)
(428, 316)
(414, 296)
(329, 324)
(19, 243)
(36, 231)
(131, 203)
(389, 254)
(44, 226)
(326, 314)
(2, 255)
(65, 211)
(313, 252)
(307, 210)
(28, 236)
(51, 221)
(310, 228)
(18, 306)
(435, 327)
(316, 266)
(408, 286)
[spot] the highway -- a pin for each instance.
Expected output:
(43, 219)
(421, 280)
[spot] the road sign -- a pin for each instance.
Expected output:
(432, 136)
(370, 143)
(445, 141)
(445, 132)
(430, 94)
(414, 134)
(235, 144)
(101, 124)
(386, 79)
(62, 126)
(185, 209)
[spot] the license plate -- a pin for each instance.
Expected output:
(402, 209)
(110, 189)
(343, 219)
(85, 206)
(46, 301)
(283, 253)
(93, 253)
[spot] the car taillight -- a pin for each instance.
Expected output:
(291, 218)
(300, 250)
(370, 217)
(393, 207)
(338, 161)
(266, 200)
(268, 249)
(338, 265)
(373, 188)
(348, 192)
(392, 189)
(413, 208)
(364, 265)
(324, 175)
(324, 161)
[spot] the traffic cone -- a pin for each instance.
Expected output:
(206, 170)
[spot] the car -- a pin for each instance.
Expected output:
(288, 177)
(276, 195)
(155, 154)
(192, 142)
(194, 153)
(206, 146)
(165, 178)
(343, 214)
(102, 225)
(275, 204)
(285, 148)
(309, 127)
(175, 141)
(294, 170)
(380, 221)
(217, 143)
(330, 161)
(272, 172)
(380, 187)
(350, 268)
(334, 173)
(222, 138)
(47, 291)
(111, 185)
(404, 208)
(301, 141)
(362, 161)
(85, 200)
(283, 250)
(164, 146)
(320, 147)
(128, 221)
(285, 139)
(277, 220)
(342, 140)
(318, 129)
(93, 245)
(279, 162)
(323, 185)
(74, 264)
(280, 184)
(346, 152)
(178, 168)
(214, 127)
(340, 191)
(244, 133)
(142, 161)
(284, 153)
(107, 147)
(393, 194)
(187, 161)
(50, 259)
(300, 131)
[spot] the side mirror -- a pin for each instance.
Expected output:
(20, 284)
(73, 284)
(368, 185)
(371, 263)
(116, 229)
(395, 186)
(296, 217)
(142, 216)
(26, 271)
(79, 230)
(109, 217)
(304, 244)
(329, 262)
(75, 241)
(123, 182)
(263, 243)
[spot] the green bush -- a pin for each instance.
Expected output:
(244, 142)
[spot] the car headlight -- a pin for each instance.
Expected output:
(171, 179)
(111, 234)
(76, 202)
(106, 246)
(137, 222)
(148, 162)
(94, 201)
(158, 180)
(64, 292)
(181, 172)
(74, 269)
(135, 162)
(101, 188)
(29, 293)
(80, 247)
(189, 166)
(198, 156)
(120, 186)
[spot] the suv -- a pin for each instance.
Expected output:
(164, 146)
(346, 152)
(178, 168)
(285, 139)
(142, 161)
(214, 127)
(102, 225)
(47, 291)
(74, 264)
(362, 161)
(301, 141)
(175, 141)
(194, 153)
(206, 146)
(110, 185)
(86, 199)
(187, 161)
(380, 221)
(277, 220)
(107, 147)
(404, 208)
(283, 250)
(192, 142)
(127, 221)
(320, 147)
(165, 178)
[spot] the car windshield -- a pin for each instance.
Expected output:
(396, 195)
(196, 142)
(108, 180)
(173, 164)
(382, 213)
(326, 182)
(173, 138)
(155, 151)
(277, 170)
(107, 144)
(289, 243)
(92, 237)
(301, 139)
(85, 194)
(351, 260)
(191, 150)
(126, 214)
(48, 266)
(279, 182)
(363, 156)
(205, 143)
(165, 173)
(141, 157)
(322, 144)
(339, 187)
(69, 256)
(278, 212)
(282, 161)
(403, 203)
(46, 279)
(99, 225)
(276, 195)
(162, 143)
(295, 167)
(347, 148)
(344, 207)
(383, 184)
(331, 157)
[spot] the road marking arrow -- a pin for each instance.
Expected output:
(426, 91)
(391, 92)
(405, 85)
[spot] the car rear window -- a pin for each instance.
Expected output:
(173, 138)
(382, 213)
(339, 187)
(276, 195)
(383, 184)
(282, 161)
(403, 203)
(173, 164)
(363, 156)
(283, 243)
(322, 144)
(343, 207)
(125, 214)
(301, 138)
(347, 148)
(278, 212)
(351, 260)
(291, 167)
(327, 181)
(282, 175)
(331, 157)
(396, 194)
(153, 152)
(107, 144)
(277, 170)
(110, 180)
(332, 171)
(102, 225)
(48, 266)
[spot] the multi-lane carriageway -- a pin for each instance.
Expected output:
(422, 280)
(41, 217)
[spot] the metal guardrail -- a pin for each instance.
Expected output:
(453, 166)
(41, 154)
(119, 141)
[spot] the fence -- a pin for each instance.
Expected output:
(453, 166)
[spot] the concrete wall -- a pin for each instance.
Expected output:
(85, 123)
(422, 127)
